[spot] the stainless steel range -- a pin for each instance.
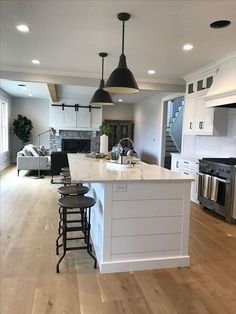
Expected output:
(217, 186)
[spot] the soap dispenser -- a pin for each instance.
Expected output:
(123, 157)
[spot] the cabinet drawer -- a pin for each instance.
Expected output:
(147, 191)
(188, 164)
(148, 243)
(146, 226)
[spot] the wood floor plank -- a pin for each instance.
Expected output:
(30, 285)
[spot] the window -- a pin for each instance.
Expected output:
(3, 126)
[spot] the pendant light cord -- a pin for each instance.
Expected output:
(102, 66)
(123, 37)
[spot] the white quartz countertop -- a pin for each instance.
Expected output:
(85, 169)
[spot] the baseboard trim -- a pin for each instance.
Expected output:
(4, 166)
(156, 263)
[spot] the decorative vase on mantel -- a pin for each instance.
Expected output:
(104, 144)
(105, 129)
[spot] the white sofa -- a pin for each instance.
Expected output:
(32, 158)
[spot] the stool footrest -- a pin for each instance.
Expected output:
(71, 229)
(73, 221)
(79, 238)
(74, 212)
(76, 248)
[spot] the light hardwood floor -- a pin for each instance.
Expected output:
(29, 283)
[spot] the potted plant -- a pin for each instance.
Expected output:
(22, 127)
(105, 130)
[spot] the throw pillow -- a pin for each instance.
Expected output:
(33, 151)
(43, 151)
(26, 152)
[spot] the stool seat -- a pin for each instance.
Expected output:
(65, 173)
(64, 181)
(65, 169)
(76, 202)
(73, 189)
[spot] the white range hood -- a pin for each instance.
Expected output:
(223, 90)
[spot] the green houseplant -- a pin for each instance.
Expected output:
(105, 128)
(22, 127)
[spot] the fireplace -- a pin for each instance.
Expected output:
(75, 145)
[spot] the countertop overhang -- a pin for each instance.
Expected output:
(85, 169)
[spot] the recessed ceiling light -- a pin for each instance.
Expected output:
(35, 61)
(30, 95)
(151, 72)
(120, 100)
(220, 24)
(187, 47)
(23, 28)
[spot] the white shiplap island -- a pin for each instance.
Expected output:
(141, 217)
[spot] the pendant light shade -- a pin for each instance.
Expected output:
(121, 79)
(101, 97)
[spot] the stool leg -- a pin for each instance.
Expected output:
(57, 243)
(88, 239)
(64, 239)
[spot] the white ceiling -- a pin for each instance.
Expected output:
(37, 90)
(67, 35)
(82, 94)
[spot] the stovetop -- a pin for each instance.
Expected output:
(227, 161)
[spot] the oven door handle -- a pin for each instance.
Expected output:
(223, 181)
(220, 180)
(199, 174)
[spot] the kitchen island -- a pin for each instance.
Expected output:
(141, 216)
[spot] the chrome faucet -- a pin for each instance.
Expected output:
(127, 139)
(131, 151)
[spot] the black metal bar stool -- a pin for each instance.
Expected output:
(65, 181)
(67, 191)
(65, 169)
(83, 205)
(73, 190)
(65, 174)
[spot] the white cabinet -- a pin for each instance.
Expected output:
(70, 119)
(198, 119)
(190, 167)
(189, 115)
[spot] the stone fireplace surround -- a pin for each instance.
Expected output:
(55, 141)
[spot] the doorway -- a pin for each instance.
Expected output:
(172, 125)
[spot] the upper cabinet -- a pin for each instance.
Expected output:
(196, 85)
(198, 119)
(69, 118)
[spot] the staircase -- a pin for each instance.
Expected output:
(174, 129)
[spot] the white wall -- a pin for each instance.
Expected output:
(148, 128)
(5, 158)
(213, 146)
(118, 112)
(37, 110)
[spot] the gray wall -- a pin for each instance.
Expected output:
(5, 158)
(37, 110)
(118, 112)
(148, 128)
(214, 146)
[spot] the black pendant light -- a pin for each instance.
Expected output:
(101, 97)
(121, 79)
